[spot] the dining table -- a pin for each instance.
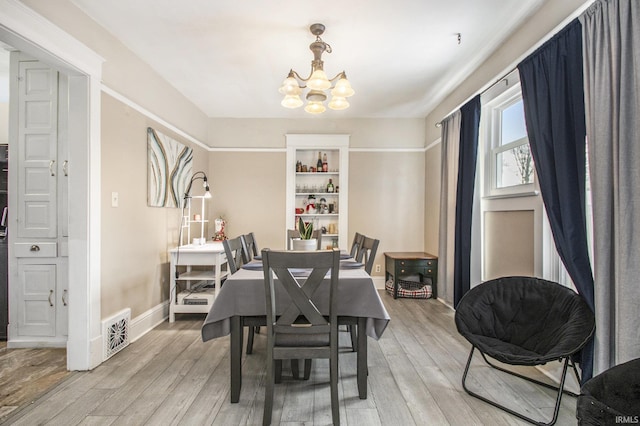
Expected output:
(241, 302)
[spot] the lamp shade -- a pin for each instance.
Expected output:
(291, 101)
(290, 87)
(343, 88)
(315, 107)
(338, 103)
(318, 81)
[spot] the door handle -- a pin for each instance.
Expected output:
(64, 295)
(50, 294)
(51, 163)
(65, 167)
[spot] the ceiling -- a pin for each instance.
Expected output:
(229, 58)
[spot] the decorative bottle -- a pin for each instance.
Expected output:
(325, 165)
(330, 187)
(319, 164)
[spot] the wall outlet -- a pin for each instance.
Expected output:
(377, 268)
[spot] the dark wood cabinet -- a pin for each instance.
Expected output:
(403, 265)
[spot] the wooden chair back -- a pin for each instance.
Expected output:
(355, 245)
(233, 250)
(249, 247)
(367, 252)
(291, 234)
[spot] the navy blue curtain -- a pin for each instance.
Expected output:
(469, 127)
(553, 95)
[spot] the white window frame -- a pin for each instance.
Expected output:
(500, 98)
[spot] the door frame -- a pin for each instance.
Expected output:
(27, 31)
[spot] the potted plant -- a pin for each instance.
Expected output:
(305, 242)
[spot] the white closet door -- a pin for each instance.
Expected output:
(37, 141)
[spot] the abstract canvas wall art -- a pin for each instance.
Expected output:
(169, 170)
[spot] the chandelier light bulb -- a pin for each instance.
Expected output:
(290, 87)
(319, 81)
(291, 101)
(315, 107)
(343, 88)
(337, 103)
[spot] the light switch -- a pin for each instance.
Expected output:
(114, 199)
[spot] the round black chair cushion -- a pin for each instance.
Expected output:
(611, 397)
(524, 320)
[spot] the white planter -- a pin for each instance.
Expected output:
(305, 245)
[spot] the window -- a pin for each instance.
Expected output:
(509, 164)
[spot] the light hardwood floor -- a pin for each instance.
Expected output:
(170, 377)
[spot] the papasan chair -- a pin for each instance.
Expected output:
(524, 321)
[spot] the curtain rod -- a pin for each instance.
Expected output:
(505, 77)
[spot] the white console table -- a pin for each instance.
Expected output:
(210, 254)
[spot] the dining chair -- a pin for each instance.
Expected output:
(249, 247)
(367, 252)
(234, 250)
(317, 234)
(300, 330)
(355, 245)
(291, 234)
(367, 249)
(249, 251)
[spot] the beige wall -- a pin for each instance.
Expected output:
(512, 252)
(386, 199)
(269, 132)
(248, 190)
(135, 237)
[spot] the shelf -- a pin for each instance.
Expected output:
(319, 214)
(306, 194)
(198, 276)
(317, 173)
(191, 309)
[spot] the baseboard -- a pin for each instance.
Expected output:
(96, 346)
(32, 343)
(378, 281)
(146, 321)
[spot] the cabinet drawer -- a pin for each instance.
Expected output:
(35, 249)
(415, 263)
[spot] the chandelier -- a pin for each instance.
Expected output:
(317, 82)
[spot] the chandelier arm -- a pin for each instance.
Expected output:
(340, 74)
(295, 73)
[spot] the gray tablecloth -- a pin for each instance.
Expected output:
(243, 294)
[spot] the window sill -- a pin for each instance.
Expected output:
(512, 195)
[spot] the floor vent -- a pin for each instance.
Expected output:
(116, 333)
